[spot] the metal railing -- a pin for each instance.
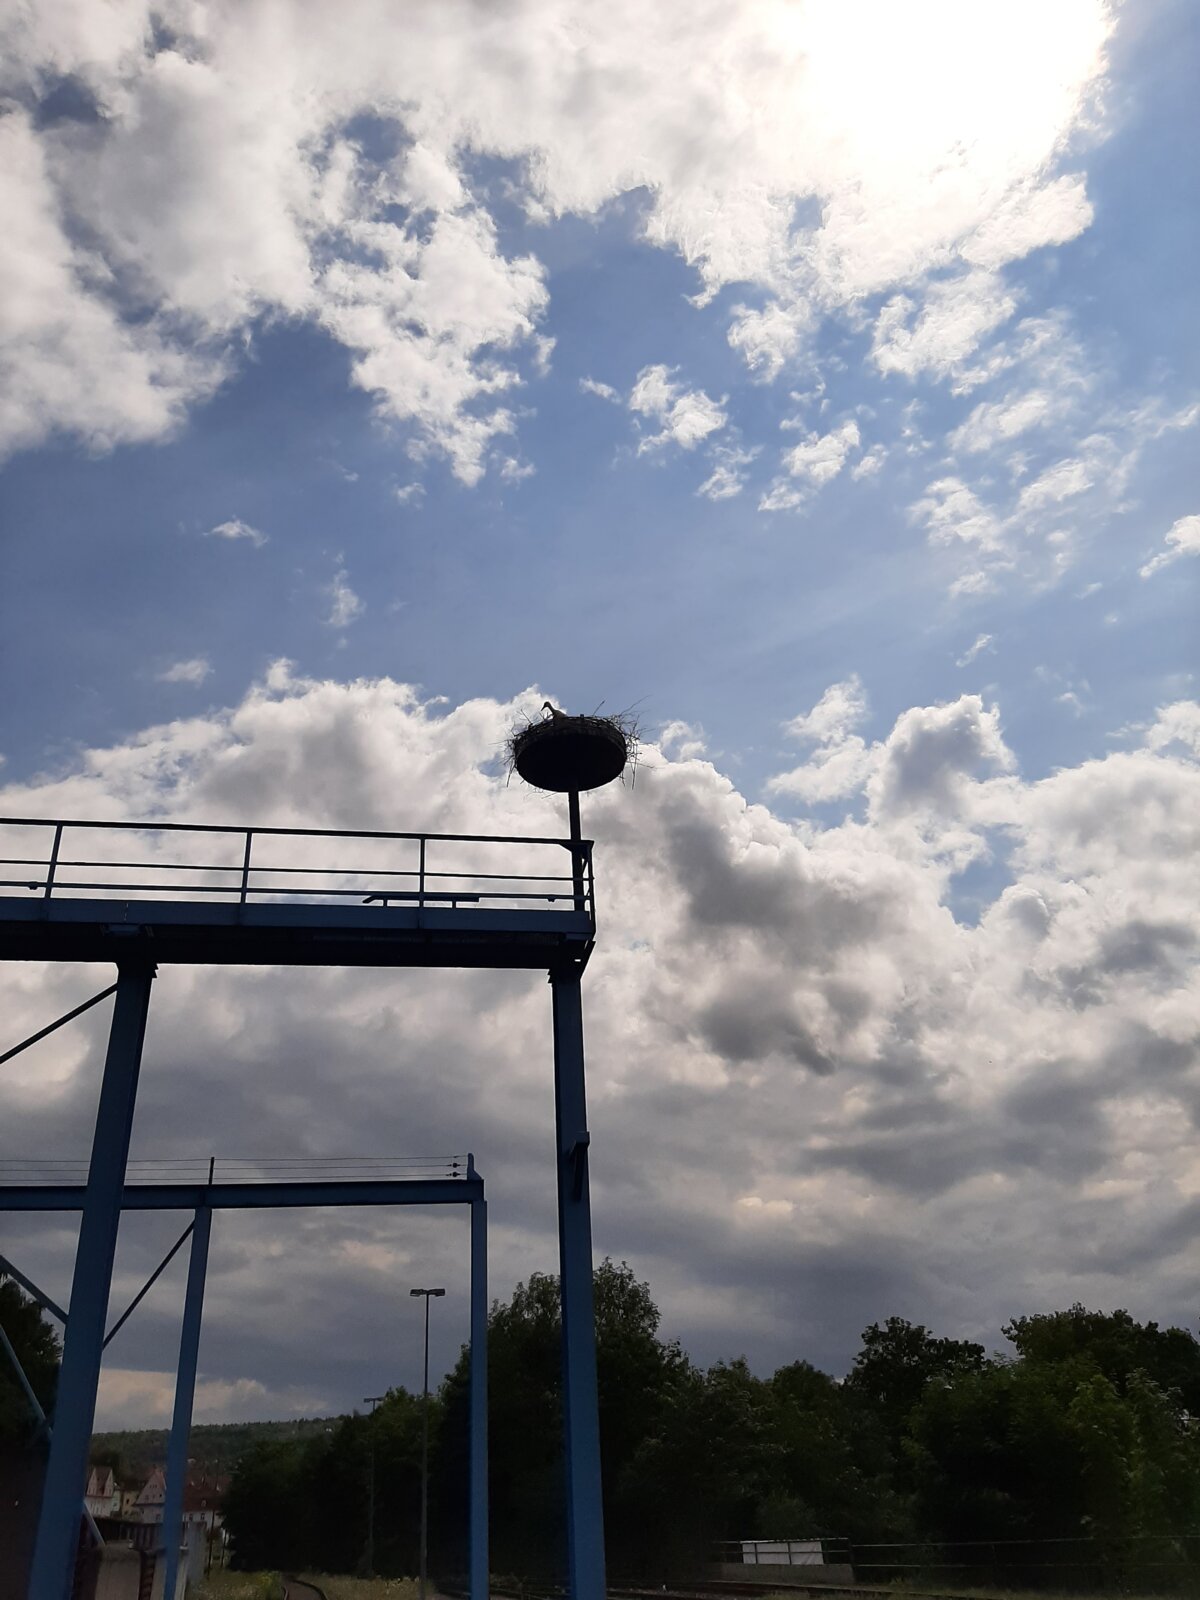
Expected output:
(32, 1171)
(453, 870)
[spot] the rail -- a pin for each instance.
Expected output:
(281, 865)
(33, 1171)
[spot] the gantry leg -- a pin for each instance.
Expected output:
(75, 1410)
(581, 1422)
(479, 1578)
(185, 1390)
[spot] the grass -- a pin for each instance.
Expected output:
(365, 1588)
(240, 1586)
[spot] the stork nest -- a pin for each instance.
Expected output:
(561, 752)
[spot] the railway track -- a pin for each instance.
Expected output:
(706, 1589)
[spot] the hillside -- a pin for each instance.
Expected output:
(214, 1446)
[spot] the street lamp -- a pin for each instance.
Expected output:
(428, 1294)
(371, 1400)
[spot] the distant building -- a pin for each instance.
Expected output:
(102, 1496)
(149, 1503)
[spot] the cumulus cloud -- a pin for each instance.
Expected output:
(194, 671)
(957, 315)
(1183, 539)
(728, 477)
(944, 1102)
(221, 178)
(235, 528)
(810, 465)
(984, 641)
(345, 606)
(685, 417)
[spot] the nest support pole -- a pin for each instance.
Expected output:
(51, 1577)
(581, 1422)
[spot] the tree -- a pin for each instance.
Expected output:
(37, 1348)
(896, 1364)
(1114, 1345)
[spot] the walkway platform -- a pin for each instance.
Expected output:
(99, 891)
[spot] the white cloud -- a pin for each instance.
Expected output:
(870, 464)
(841, 708)
(686, 416)
(728, 477)
(1040, 1048)
(345, 606)
(952, 511)
(810, 465)
(194, 671)
(682, 741)
(1183, 539)
(985, 641)
(408, 494)
(603, 391)
(957, 315)
(219, 185)
(235, 528)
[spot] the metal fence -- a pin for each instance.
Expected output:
(156, 860)
(1136, 1563)
(47, 1172)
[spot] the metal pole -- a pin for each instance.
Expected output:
(425, 1464)
(479, 1564)
(576, 851)
(371, 1400)
(581, 1421)
(185, 1390)
(52, 1572)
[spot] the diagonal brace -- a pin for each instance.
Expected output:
(7, 1270)
(147, 1286)
(35, 1405)
(70, 1017)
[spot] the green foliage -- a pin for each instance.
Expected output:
(1083, 1434)
(36, 1345)
(218, 1446)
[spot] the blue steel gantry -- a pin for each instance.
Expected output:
(40, 1186)
(288, 898)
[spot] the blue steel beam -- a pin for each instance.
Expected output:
(479, 1564)
(185, 1389)
(7, 1270)
(581, 1420)
(51, 1575)
(250, 1196)
(35, 1405)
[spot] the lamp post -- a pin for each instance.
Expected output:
(427, 1294)
(371, 1400)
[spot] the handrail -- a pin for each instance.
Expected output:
(302, 833)
(247, 881)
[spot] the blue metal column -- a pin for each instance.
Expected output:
(479, 1563)
(581, 1421)
(52, 1573)
(185, 1389)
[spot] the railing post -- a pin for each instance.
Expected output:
(246, 867)
(58, 833)
(421, 877)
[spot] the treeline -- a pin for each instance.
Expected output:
(1084, 1430)
(213, 1447)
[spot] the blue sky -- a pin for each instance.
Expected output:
(603, 572)
(820, 380)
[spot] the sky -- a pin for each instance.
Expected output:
(818, 380)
